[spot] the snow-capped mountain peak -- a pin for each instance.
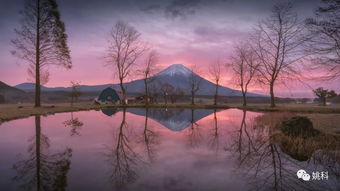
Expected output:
(176, 69)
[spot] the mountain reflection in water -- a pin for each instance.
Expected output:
(162, 149)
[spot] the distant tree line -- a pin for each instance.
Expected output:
(324, 94)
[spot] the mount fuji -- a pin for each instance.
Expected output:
(177, 75)
(176, 70)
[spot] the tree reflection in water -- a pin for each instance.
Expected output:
(42, 171)
(194, 133)
(75, 124)
(121, 157)
(214, 141)
(150, 138)
(243, 147)
(262, 158)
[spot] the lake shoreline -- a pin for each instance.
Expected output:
(15, 111)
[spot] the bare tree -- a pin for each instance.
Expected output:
(215, 72)
(176, 94)
(167, 90)
(148, 70)
(194, 82)
(125, 47)
(244, 67)
(277, 44)
(324, 42)
(154, 91)
(41, 40)
(75, 92)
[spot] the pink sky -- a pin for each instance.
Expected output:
(201, 34)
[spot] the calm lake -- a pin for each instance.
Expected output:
(161, 149)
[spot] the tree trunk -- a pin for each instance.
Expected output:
(123, 92)
(146, 121)
(165, 99)
(244, 99)
(272, 97)
(37, 57)
(324, 101)
(216, 94)
(72, 99)
(146, 92)
(192, 98)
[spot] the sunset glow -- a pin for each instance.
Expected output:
(196, 34)
(193, 95)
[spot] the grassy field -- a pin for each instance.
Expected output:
(325, 122)
(15, 111)
(329, 123)
(297, 108)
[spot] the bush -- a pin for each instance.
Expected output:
(298, 126)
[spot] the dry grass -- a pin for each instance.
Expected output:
(297, 108)
(15, 111)
(329, 123)
(303, 148)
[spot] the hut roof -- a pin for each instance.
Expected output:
(109, 94)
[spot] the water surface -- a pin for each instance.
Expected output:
(160, 149)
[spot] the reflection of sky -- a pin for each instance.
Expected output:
(176, 160)
(188, 32)
(177, 163)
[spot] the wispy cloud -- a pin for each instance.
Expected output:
(181, 8)
(151, 8)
